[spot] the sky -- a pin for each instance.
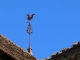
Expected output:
(56, 24)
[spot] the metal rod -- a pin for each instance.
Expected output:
(29, 40)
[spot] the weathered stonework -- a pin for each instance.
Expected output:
(13, 50)
(72, 53)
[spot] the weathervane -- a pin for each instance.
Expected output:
(30, 17)
(29, 31)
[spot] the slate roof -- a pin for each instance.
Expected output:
(14, 50)
(75, 47)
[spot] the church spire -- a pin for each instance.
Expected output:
(29, 31)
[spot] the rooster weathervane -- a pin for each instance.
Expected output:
(29, 31)
(30, 17)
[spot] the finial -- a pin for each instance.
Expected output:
(29, 31)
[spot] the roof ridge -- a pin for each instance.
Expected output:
(65, 49)
(13, 49)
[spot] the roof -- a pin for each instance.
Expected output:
(13, 50)
(66, 52)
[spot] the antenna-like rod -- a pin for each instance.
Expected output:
(29, 31)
